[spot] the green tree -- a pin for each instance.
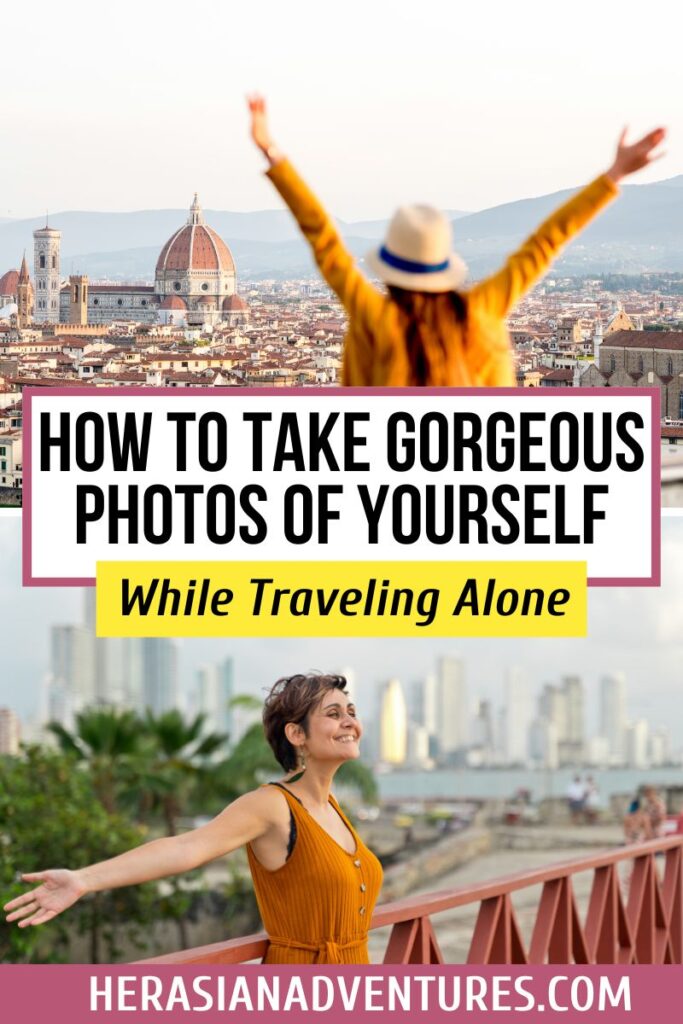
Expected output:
(50, 816)
(180, 761)
(109, 741)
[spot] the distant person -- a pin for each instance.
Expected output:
(645, 816)
(592, 801)
(427, 329)
(576, 796)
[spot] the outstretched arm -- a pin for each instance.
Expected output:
(498, 294)
(241, 822)
(359, 298)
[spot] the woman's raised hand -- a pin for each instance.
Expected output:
(260, 132)
(631, 158)
(59, 889)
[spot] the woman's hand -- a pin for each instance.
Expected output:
(636, 156)
(60, 889)
(260, 131)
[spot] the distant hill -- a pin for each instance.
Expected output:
(643, 230)
(677, 182)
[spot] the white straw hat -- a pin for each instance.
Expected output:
(418, 252)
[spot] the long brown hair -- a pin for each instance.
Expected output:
(427, 313)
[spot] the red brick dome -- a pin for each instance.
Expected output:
(173, 302)
(195, 246)
(9, 282)
(234, 304)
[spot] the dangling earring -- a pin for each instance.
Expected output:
(300, 768)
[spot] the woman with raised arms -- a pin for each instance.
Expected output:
(426, 328)
(316, 882)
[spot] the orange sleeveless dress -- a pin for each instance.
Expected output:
(317, 907)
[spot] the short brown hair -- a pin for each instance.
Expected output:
(291, 699)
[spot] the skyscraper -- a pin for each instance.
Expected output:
(10, 731)
(452, 712)
(214, 693)
(393, 741)
(613, 715)
(573, 752)
(516, 718)
(72, 672)
(160, 674)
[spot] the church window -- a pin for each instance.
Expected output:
(205, 287)
(54, 262)
(641, 365)
(41, 261)
(143, 302)
(95, 302)
(670, 366)
(612, 363)
(680, 406)
(176, 285)
(119, 302)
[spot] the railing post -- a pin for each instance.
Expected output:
(413, 942)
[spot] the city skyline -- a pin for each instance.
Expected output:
(450, 81)
(644, 641)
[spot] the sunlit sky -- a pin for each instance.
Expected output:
(137, 105)
(636, 630)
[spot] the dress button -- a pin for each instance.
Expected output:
(363, 887)
(356, 863)
(362, 910)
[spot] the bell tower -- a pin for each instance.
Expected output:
(24, 304)
(78, 299)
(46, 247)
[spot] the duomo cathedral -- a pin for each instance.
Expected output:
(194, 285)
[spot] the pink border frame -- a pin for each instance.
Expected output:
(136, 391)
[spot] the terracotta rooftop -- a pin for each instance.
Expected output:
(663, 340)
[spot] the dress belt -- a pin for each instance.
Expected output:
(326, 952)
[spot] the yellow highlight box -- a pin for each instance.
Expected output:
(341, 599)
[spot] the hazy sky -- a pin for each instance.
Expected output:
(637, 630)
(461, 105)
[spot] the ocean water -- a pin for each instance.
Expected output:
(487, 783)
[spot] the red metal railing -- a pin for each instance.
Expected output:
(638, 922)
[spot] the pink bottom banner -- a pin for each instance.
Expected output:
(81, 994)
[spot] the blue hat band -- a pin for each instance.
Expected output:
(410, 266)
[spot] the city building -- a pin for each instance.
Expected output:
(630, 358)
(612, 721)
(160, 674)
(46, 270)
(516, 718)
(10, 731)
(452, 710)
(393, 739)
(194, 283)
(215, 690)
(72, 680)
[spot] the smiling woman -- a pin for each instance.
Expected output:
(316, 882)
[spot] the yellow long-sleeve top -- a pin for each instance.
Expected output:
(478, 351)
(317, 907)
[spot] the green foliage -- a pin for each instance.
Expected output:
(110, 742)
(50, 816)
(356, 775)
(179, 764)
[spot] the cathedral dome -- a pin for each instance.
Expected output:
(195, 247)
(173, 302)
(234, 304)
(9, 282)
